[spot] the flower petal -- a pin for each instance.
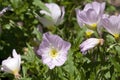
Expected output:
(60, 19)
(80, 22)
(89, 44)
(10, 65)
(55, 11)
(92, 16)
(112, 24)
(53, 50)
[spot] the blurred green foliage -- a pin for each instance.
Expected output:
(20, 30)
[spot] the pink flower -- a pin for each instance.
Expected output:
(89, 44)
(112, 25)
(53, 50)
(91, 14)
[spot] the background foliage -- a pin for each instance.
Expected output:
(20, 31)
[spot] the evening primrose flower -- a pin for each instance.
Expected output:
(53, 50)
(90, 15)
(89, 44)
(55, 14)
(12, 65)
(112, 25)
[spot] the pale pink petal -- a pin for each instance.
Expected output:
(50, 42)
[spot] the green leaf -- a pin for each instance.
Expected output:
(41, 5)
(113, 76)
(116, 64)
(107, 75)
(70, 66)
(24, 70)
(92, 76)
(15, 3)
(37, 33)
(7, 26)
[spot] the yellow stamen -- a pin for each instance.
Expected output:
(93, 26)
(53, 53)
(15, 72)
(89, 33)
(116, 36)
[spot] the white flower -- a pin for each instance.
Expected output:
(55, 15)
(12, 65)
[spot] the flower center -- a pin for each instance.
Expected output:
(93, 26)
(116, 36)
(15, 72)
(89, 33)
(53, 53)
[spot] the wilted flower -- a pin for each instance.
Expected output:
(53, 50)
(90, 15)
(112, 25)
(12, 65)
(55, 15)
(89, 44)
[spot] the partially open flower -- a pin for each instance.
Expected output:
(90, 15)
(53, 50)
(55, 15)
(90, 43)
(112, 25)
(12, 65)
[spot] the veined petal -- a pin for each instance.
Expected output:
(51, 65)
(60, 60)
(97, 7)
(89, 44)
(92, 16)
(87, 6)
(79, 20)
(111, 24)
(46, 60)
(83, 50)
(83, 17)
(88, 41)
(106, 23)
(60, 19)
(53, 50)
